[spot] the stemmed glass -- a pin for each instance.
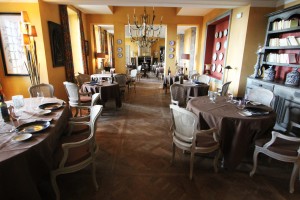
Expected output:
(40, 97)
(18, 103)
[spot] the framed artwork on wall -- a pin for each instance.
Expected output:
(57, 44)
(11, 44)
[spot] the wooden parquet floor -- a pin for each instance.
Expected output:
(134, 160)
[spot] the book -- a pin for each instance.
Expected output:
(293, 40)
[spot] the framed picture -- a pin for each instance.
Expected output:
(86, 47)
(57, 44)
(11, 44)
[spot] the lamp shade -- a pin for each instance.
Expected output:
(185, 56)
(25, 18)
(228, 67)
(100, 55)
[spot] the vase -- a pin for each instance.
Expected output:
(292, 78)
(269, 74)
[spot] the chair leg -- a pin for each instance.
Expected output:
(94, 175)
(293, 177)
(255, 154)
(216, 159)
(54, 186)
(191, 164)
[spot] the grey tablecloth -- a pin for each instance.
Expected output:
(236, 132)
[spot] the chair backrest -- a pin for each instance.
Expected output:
(195, 76)
(185, 124)
(224, 89)
(178, 93)
(121, 79)
(133, 73)
(81, 78)
(95, 99)
(139, 68)
(47, 89)
(73, 93)
(204, 79)
(294, 123)
(261, 95)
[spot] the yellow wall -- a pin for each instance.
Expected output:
(119, 20)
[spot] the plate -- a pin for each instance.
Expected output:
(220, 34)
(216, 35)
(218, 46)
(119, 41)
(171, 56)
(33, 127)
(172, 42)
(50, 106)
(245, 113)
(120, 55)
(172, 49)
(225, 44)
(213, 68)
(256, 111)
(43, 112)
(225, 32)
(221, 56)
(255, 103)
(22, 137)
(120, 49)
(219, 68)
(215, 56)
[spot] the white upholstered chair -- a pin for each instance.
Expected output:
(77, 152)
(283, 148)
(186, 136)
(132, 79)
(261, 95)
(76, 97)
(46, 89)
(204, 79)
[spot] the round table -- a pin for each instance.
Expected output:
(236, 132)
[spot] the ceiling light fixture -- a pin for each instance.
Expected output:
(144, 33)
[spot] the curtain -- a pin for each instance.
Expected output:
(110, 47)
(67, 42)
(84, 54)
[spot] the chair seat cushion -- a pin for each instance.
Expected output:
(76, 155)
(205, 141)
(280, 146)
(85, 99)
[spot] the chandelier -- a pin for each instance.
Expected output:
(143, 32)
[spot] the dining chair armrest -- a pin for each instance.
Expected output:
(85, 93)
(79, 119)
(174, 102)
(209, 132)
(67, 146)
(276, 135)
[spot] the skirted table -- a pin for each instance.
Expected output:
(236, 132)
(107, 91)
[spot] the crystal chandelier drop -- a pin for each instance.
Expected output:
(143, 32)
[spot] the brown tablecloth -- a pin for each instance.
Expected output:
(107, 91)
(195, 90)
(24, 165)
(236, 132)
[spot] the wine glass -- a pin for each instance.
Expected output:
(18, 104)
(229, 97)
(40, 97)
(241, 104)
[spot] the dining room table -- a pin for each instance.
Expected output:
(27, 147)
(106, 89)
(237, 128)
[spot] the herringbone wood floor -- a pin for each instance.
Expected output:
(134, 160)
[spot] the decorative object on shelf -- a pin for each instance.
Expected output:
(171, 56)
(120, 49)
(257, 67)
(269, 74)
(172, 43)
(215, 55)
(171, 49)
(218, 46)
(219, 68)
(225, 32)
(292, 78)
(144, 33)
(29, 33)
(221, 56)
(119, 41)
(207, 69)
(220, 34)
(216, 34)
(213, 68)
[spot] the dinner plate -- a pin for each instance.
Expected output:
(43, 112)
(245, 113)
(219, 68)
(215, 55)
(218, 46)
(225, 32)
(22, 137)
(255, 111)
(213, 68)
(50, 106)
(255, 103)
(221, 56)
(220, 34)
(33, 127)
